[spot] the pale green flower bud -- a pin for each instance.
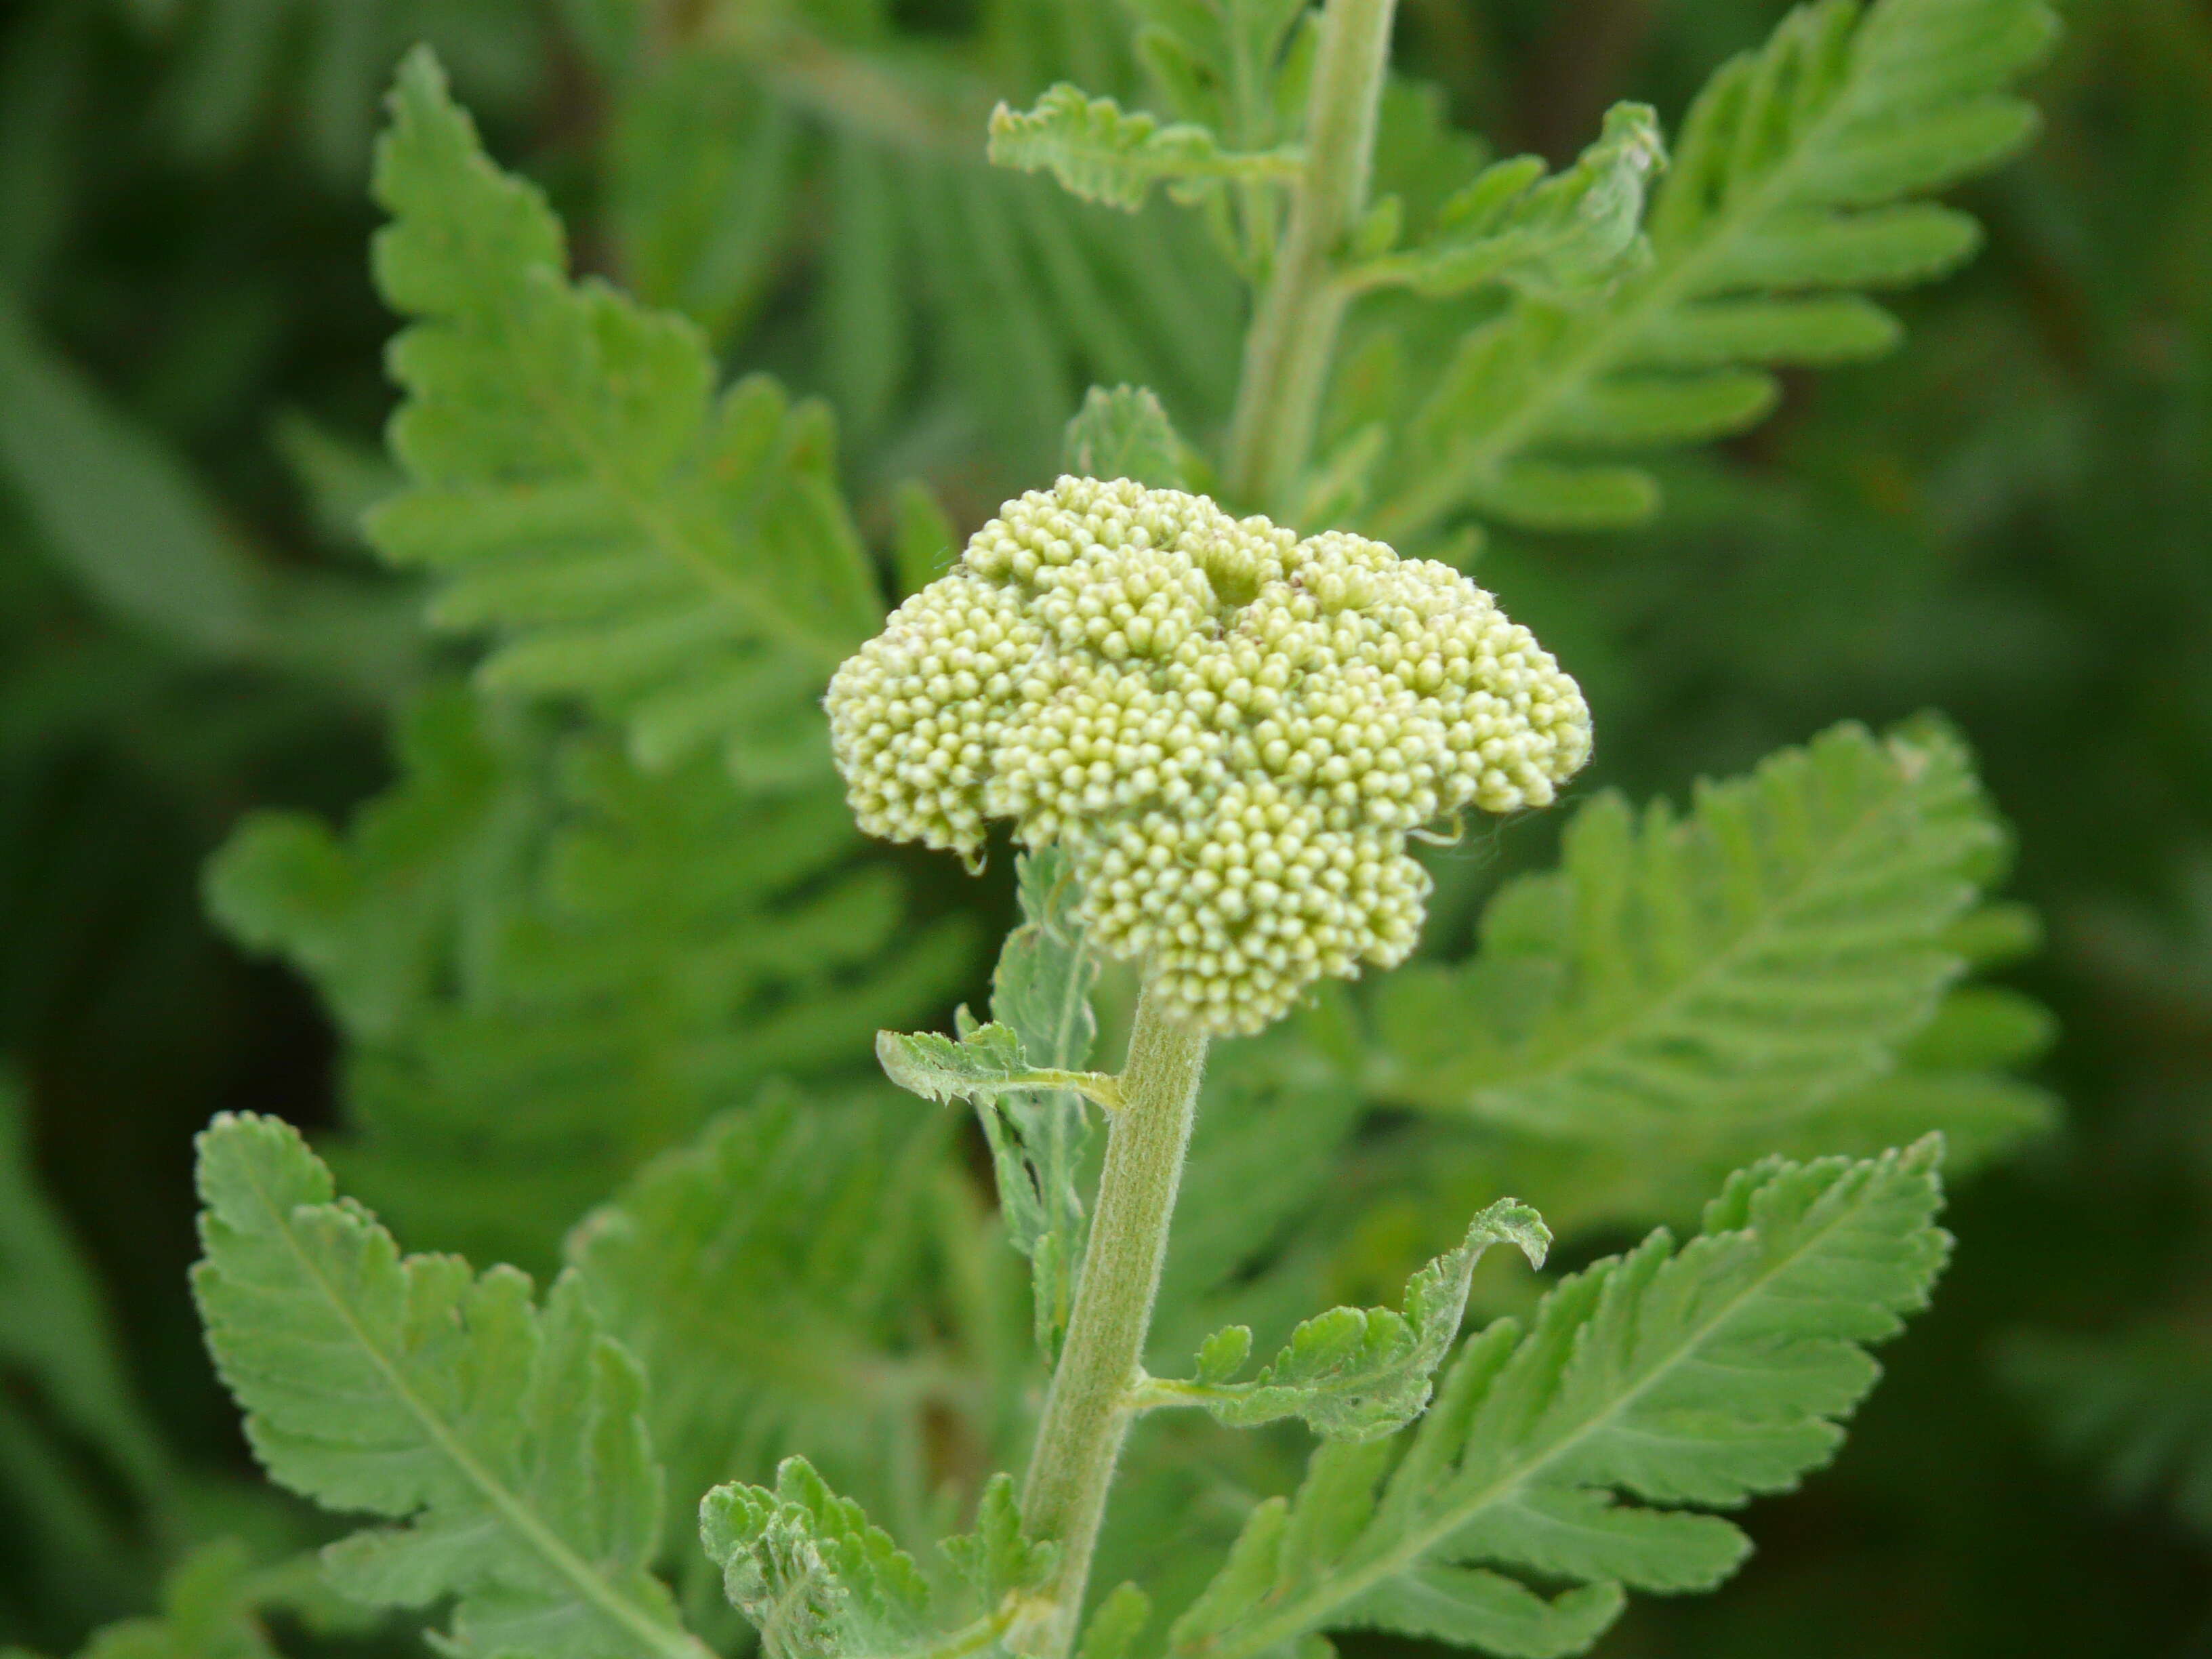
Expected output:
(1231, 730)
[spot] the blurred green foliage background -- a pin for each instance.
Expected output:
(2010, 519)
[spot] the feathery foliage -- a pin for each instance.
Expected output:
(817, 1581)
(1124, 432)
(1687, 1379)
(1797, 182)
(1355, 1373)
(1104, 154)
(682, 562)
(1038, 1137)
(1715, 983)
(208, 1608)
(505, 1441)
(608, 947)
(805, 1565)
(1556, 237)
(552, 966)
(773, 1278)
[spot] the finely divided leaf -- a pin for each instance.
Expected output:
(819, 1582)
(378, 920)
(505, 1441)
(1113, 1629)
(211, 1608)
(808, 1571)
(1103, 152)
(551, 966)
(680, 562)
(1125, 434)
(995, 1559)
(983, 1063)
(1796, 181)
(1041, 992)
(1556, 237)
(1649, 1388)
(1352, 1373)
(1711, 976)
(776, 1279)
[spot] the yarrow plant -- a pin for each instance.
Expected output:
(610, 959)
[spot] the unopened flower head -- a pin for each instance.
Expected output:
(1230, 729)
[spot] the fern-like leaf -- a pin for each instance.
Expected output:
(1556, 237)
(1651, 1388)
(1103, 152)
(1041, 992)
(1357, 1373)
(817, 1581)
(681, 562)
(1797, 182)
(984, 1063)
(774, 1278)
(1766, 955)
(1126, 433)
(552, 966)
(208, 1608)
(505, 1441)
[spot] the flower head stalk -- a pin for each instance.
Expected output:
(1231, 730)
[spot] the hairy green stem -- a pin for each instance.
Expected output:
(1088, 1408)
(1293, 341)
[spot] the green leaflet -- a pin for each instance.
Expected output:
(995, 1559)
(1040, 991)
(1105, 153)
(1114, 1627)
(803, 1566)
(1018, 1071)
(419, 889)
(134, 532)
(1688, 1378)
(1715, 978)
(1795, 182)
(209, 1606)
(1125, 434)
(983, 1063)
(550, 966)
(504, 1439)
(1556, 237)
(1352, 1373)
(213, 1604)
(805, 1215)
(819, 1581)
(1265, 1158)
(680, 562)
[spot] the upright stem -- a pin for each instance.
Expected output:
(1086, 1412)
(1292, 339)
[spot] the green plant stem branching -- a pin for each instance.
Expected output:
(1292, 339)
(1088, 1409)
(1288, 351)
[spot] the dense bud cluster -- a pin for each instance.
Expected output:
(1231, 730)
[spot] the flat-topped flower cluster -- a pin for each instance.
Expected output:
(1231, 730)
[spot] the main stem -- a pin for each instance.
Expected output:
(1086, 1412)
(1292, 340)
